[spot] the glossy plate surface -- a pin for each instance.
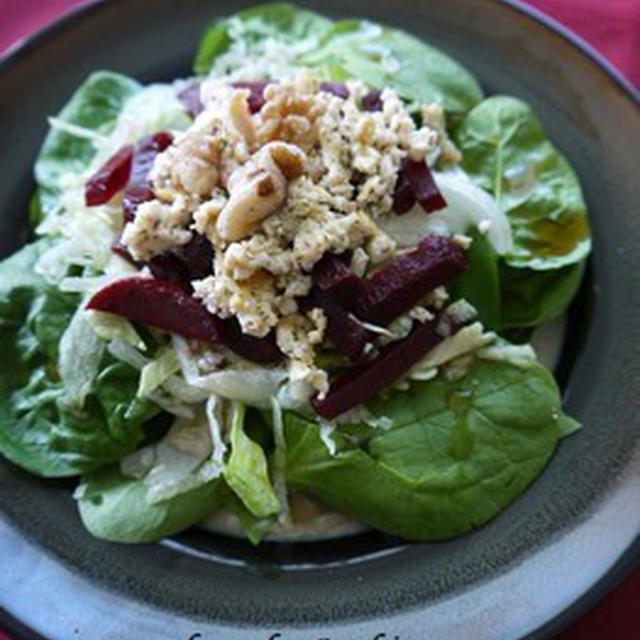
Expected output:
(525, 574)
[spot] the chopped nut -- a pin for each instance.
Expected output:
(241, 116)
(258, 189)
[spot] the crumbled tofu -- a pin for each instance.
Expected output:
(434, 118)
(421, 314)
(484, 226)
(156, 228)
(436, 298)
(274, 191)
(297, 335)
(462, 240)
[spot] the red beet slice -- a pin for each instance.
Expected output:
(372, 100)
(138, 188)
(192, 261)
(403, 282)
(169, 266)
(190, 99)
(424, 187)
(256, 93)
(110, 178)
(333, 275)
(197, 255)
(346, 333)
(363, 382)
(160, 303)
(262, 350)
(336, 88)
(118, 248)
(403, 196)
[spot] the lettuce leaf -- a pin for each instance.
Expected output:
(94, 106)
(246, 471)
(114, 507)
(457, 454)
(40, 430)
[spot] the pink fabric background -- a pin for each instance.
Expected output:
(613, 27)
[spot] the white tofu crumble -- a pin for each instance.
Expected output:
(310, 173)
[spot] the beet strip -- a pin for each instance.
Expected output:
(190, 99)
(160, 303)
(424, 187)
(262, 350)
(110, 178)
(403, 282)
(333, 276)
(372, 101)
(138, 189)
(336, 88)
(256, 93)
(182, 264)
(346, 333)
(403, 195)
(166, 303)
(363, 382)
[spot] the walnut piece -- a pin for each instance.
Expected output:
(259, 188)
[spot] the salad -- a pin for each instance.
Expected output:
(291, 295)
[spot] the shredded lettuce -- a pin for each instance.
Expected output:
(279, 466)
(466, 340)
(176, 464)
(214, 410)
(79, 359)
(109, 326)
(127, 353)
(157, 372)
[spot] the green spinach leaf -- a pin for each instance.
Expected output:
(480, 284)
(114, 507)
(279, 20)
(458, 452)
(384, 57)
(95, 105)
(38, 430)
(506, 152)
(530, 298)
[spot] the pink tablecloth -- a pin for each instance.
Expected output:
(613, 27)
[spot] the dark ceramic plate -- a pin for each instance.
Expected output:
(528, 572)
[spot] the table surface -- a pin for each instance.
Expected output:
(612, 27)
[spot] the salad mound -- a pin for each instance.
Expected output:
(292, 295)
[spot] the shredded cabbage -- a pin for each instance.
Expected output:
(520, 355)
(254, 387)
(465, 341)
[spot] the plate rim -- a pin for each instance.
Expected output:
(629, 560)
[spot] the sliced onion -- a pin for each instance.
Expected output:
(467, 207)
